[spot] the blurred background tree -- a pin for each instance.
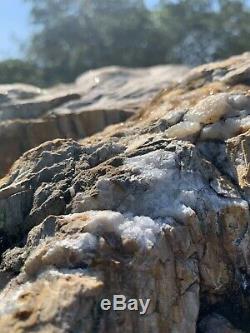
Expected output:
(204, 30)
(72, 36)
(15, 70)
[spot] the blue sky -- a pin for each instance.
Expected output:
(15, 26)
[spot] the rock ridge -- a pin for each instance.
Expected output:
(154, 208)
(30, 116)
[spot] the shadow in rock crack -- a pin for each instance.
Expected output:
(233, 307)
(215, 151)
(5, 242)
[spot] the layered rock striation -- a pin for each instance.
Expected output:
(155, 208)
(30, 116)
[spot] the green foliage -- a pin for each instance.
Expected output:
(20, 71)
(205, 30)
(73, 36)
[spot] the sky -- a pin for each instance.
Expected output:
(15, 26)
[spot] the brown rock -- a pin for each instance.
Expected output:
(30, 116)
(155, 208)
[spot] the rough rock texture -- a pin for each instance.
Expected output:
(157, 207)
(30, 116)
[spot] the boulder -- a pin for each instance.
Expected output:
(154, 208)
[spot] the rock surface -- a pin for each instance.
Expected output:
(30, 116)
(157, 207)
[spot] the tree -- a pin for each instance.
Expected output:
(20, 71)
(233, 20)
(204, 30)
(72, 36)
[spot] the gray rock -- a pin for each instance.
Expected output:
(151, 208)
(30, 116)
